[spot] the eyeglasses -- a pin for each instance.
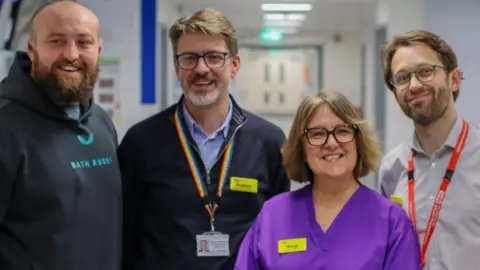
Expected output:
(319, 136)
(212, 59)
(424, 74)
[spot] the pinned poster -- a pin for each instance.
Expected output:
(107, 93)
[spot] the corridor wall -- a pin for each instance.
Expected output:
(131, 35)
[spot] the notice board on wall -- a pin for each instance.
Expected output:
(107, 92)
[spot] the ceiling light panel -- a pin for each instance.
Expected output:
(274, 16)
(296, 17)
(284, 17)
(287, 7)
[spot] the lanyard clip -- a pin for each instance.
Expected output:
(212, 224)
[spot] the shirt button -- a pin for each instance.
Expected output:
(431, 197)
(433, 164)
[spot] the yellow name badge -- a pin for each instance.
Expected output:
(292, 245)
(397, 199)
(244, 184)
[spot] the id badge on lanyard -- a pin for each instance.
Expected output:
(210, 243)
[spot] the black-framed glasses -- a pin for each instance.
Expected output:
(423, 74)
(212, 59)
(318, 136)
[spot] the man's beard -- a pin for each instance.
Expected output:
(65, 90)
(205, 98)
(427, 112)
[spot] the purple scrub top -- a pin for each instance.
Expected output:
(370, 233)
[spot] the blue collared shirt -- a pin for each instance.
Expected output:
(209, 146)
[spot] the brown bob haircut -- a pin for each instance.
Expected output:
(368, 148)
(443, 50)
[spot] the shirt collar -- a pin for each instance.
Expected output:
(454, 133)
(451, 139)
(73, 112)
(193, 127)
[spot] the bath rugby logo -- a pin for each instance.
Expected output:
(90, 162)
(86, 141)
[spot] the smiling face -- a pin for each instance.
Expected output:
(332, 159)
(423, 100)
(205, 83)
(64, 50)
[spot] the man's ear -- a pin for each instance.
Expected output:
(100, 46)
(456, 77)
(236, 65)
(176, 67)
(31, 49)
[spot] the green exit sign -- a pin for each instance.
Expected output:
(268, 35)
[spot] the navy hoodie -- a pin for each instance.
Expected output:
(60, 187)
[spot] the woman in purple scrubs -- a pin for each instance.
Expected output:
(335, 222)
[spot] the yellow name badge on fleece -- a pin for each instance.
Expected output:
(397, 199)
(244, 184)
(292, 245)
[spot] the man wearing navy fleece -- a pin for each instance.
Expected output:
(198, 172)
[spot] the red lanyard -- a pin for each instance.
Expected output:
(432, 221)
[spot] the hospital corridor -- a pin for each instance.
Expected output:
(239, 135)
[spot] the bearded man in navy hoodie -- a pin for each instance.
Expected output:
(60, 187)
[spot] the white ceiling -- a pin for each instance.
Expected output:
(327, 16)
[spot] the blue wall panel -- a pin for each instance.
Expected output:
(149, 50)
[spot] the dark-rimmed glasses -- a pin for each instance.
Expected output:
(423, 74)
(318, 136)
(212, 59)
